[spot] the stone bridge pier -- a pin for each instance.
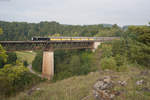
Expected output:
(95, 45)
(48, 64)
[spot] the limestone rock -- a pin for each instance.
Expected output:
(104, 83)
(102, 89)
(140, 82)
(122, 83)
(37, 89)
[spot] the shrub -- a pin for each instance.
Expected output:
(37, 62)
(106, 50)
(131, 51)
(120, 59)
(15, 79)
(12, 57)
(140, 53)
(25, 63)
(108, 63)
(3, 57)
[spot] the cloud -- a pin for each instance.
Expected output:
(77, 11)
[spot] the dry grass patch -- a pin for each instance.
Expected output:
(26, 55)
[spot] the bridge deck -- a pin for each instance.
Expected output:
(52, 44)
(2, 42)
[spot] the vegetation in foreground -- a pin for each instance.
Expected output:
(14, 76)
(81, 87)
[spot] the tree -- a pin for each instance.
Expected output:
(108, 63)
(37, 62)
(1, 31)
(15, 79)
(12, 57)
(140, 33)
(25, 63)
(3, 57)
(24, 31)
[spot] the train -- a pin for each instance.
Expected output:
(72, 38)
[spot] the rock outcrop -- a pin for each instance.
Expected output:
(103, 89)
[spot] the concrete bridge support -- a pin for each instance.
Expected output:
(48, 64)
(95, 46)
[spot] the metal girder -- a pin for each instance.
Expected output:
(52, 45)
(44, 45)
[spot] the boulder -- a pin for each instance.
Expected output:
(102, 89)
(140, 82)
(122, 83)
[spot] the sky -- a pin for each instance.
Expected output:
(77, 12)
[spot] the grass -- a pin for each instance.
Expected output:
(26, 55)
(74, 88)
(80, 87)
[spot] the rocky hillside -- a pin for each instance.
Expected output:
(133, 84)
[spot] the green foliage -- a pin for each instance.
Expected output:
(120, 60)
(12, 57)
(138, 43)
(24, 31)
(106, 50)
(25, 63)
(75, 63)
(3, 57)
(133, 47)
(114, 53)
(139, 53)
(120, 47)
(142, 33)
(1, 31)
(131, 51)
(108, 63)
(15, 79)
(13, 76)
(37, 62)
(111, 31)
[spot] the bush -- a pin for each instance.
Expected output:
(120, 60)
(108, 63)
(12, 57)
(37, 62)
(131, 51)
(106, 50)
(3, 57)
(15, 79)
(25, 63)
(140, 53)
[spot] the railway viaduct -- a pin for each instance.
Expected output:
(49, 47)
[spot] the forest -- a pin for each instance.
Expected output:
(24, 31)
(132, 48)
